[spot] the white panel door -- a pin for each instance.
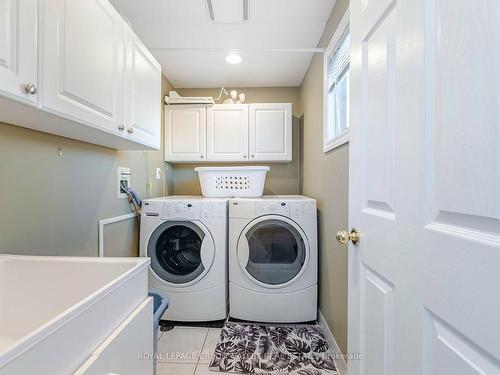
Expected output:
(83, 62)
(425, 187)
(227, 132)
(18, 49)
(142, 93)
(185, 133)
(270, 137)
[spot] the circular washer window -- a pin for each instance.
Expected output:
(276, 252)
(175, 251)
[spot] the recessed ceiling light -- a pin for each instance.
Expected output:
(233, 58)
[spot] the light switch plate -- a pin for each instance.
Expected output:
(158, 173)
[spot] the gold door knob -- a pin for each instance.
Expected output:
(344, 237)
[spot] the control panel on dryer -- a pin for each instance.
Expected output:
(302, 209)
(270, 207)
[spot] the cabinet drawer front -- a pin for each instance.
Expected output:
(129, 349)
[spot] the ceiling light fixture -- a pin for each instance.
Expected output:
(233, 58)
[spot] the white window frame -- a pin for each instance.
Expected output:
(339, 139)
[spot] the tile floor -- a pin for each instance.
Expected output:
(186, 350)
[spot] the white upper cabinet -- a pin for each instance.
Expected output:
(185, 133)
(231, 133)
(82, 62)
(227, 132)
(142, 93)
(270, 132)
(74, 68)
(18, 49)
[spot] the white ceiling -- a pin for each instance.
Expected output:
(276, 43)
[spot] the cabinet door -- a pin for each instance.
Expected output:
(271, 132)
(227, 138)
(185, 133)
(82, 67)
(142, 94)
(128, 350)
(18, 49)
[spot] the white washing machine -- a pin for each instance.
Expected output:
(186, 239)
(273, 259)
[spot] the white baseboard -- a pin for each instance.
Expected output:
(339, 363)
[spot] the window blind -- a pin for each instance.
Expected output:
(338, 62)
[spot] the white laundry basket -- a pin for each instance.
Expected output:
(228, 182)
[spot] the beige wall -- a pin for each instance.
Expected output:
(325, 177)
(283, 178)
(51, 204)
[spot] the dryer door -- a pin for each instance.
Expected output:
(181, 252)
(273, 251)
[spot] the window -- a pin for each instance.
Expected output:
(336, 84)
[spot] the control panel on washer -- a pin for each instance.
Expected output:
(213, 210)
(179, 209)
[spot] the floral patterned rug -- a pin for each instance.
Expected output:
(260, 349)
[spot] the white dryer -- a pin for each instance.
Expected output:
(273, 259)
(186, 240)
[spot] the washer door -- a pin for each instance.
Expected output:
(181, 252)
(273, 251)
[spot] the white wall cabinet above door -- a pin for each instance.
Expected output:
(227, 132)
(142, 93)
(270, 135)
(185, 133)
(18, 49)
(82, 62)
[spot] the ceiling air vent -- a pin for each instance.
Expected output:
(228, 11)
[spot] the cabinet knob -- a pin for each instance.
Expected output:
(201, 156)
(130, 130)
(244, 156)
(252, 156)
(30, 89)
(121, 128)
